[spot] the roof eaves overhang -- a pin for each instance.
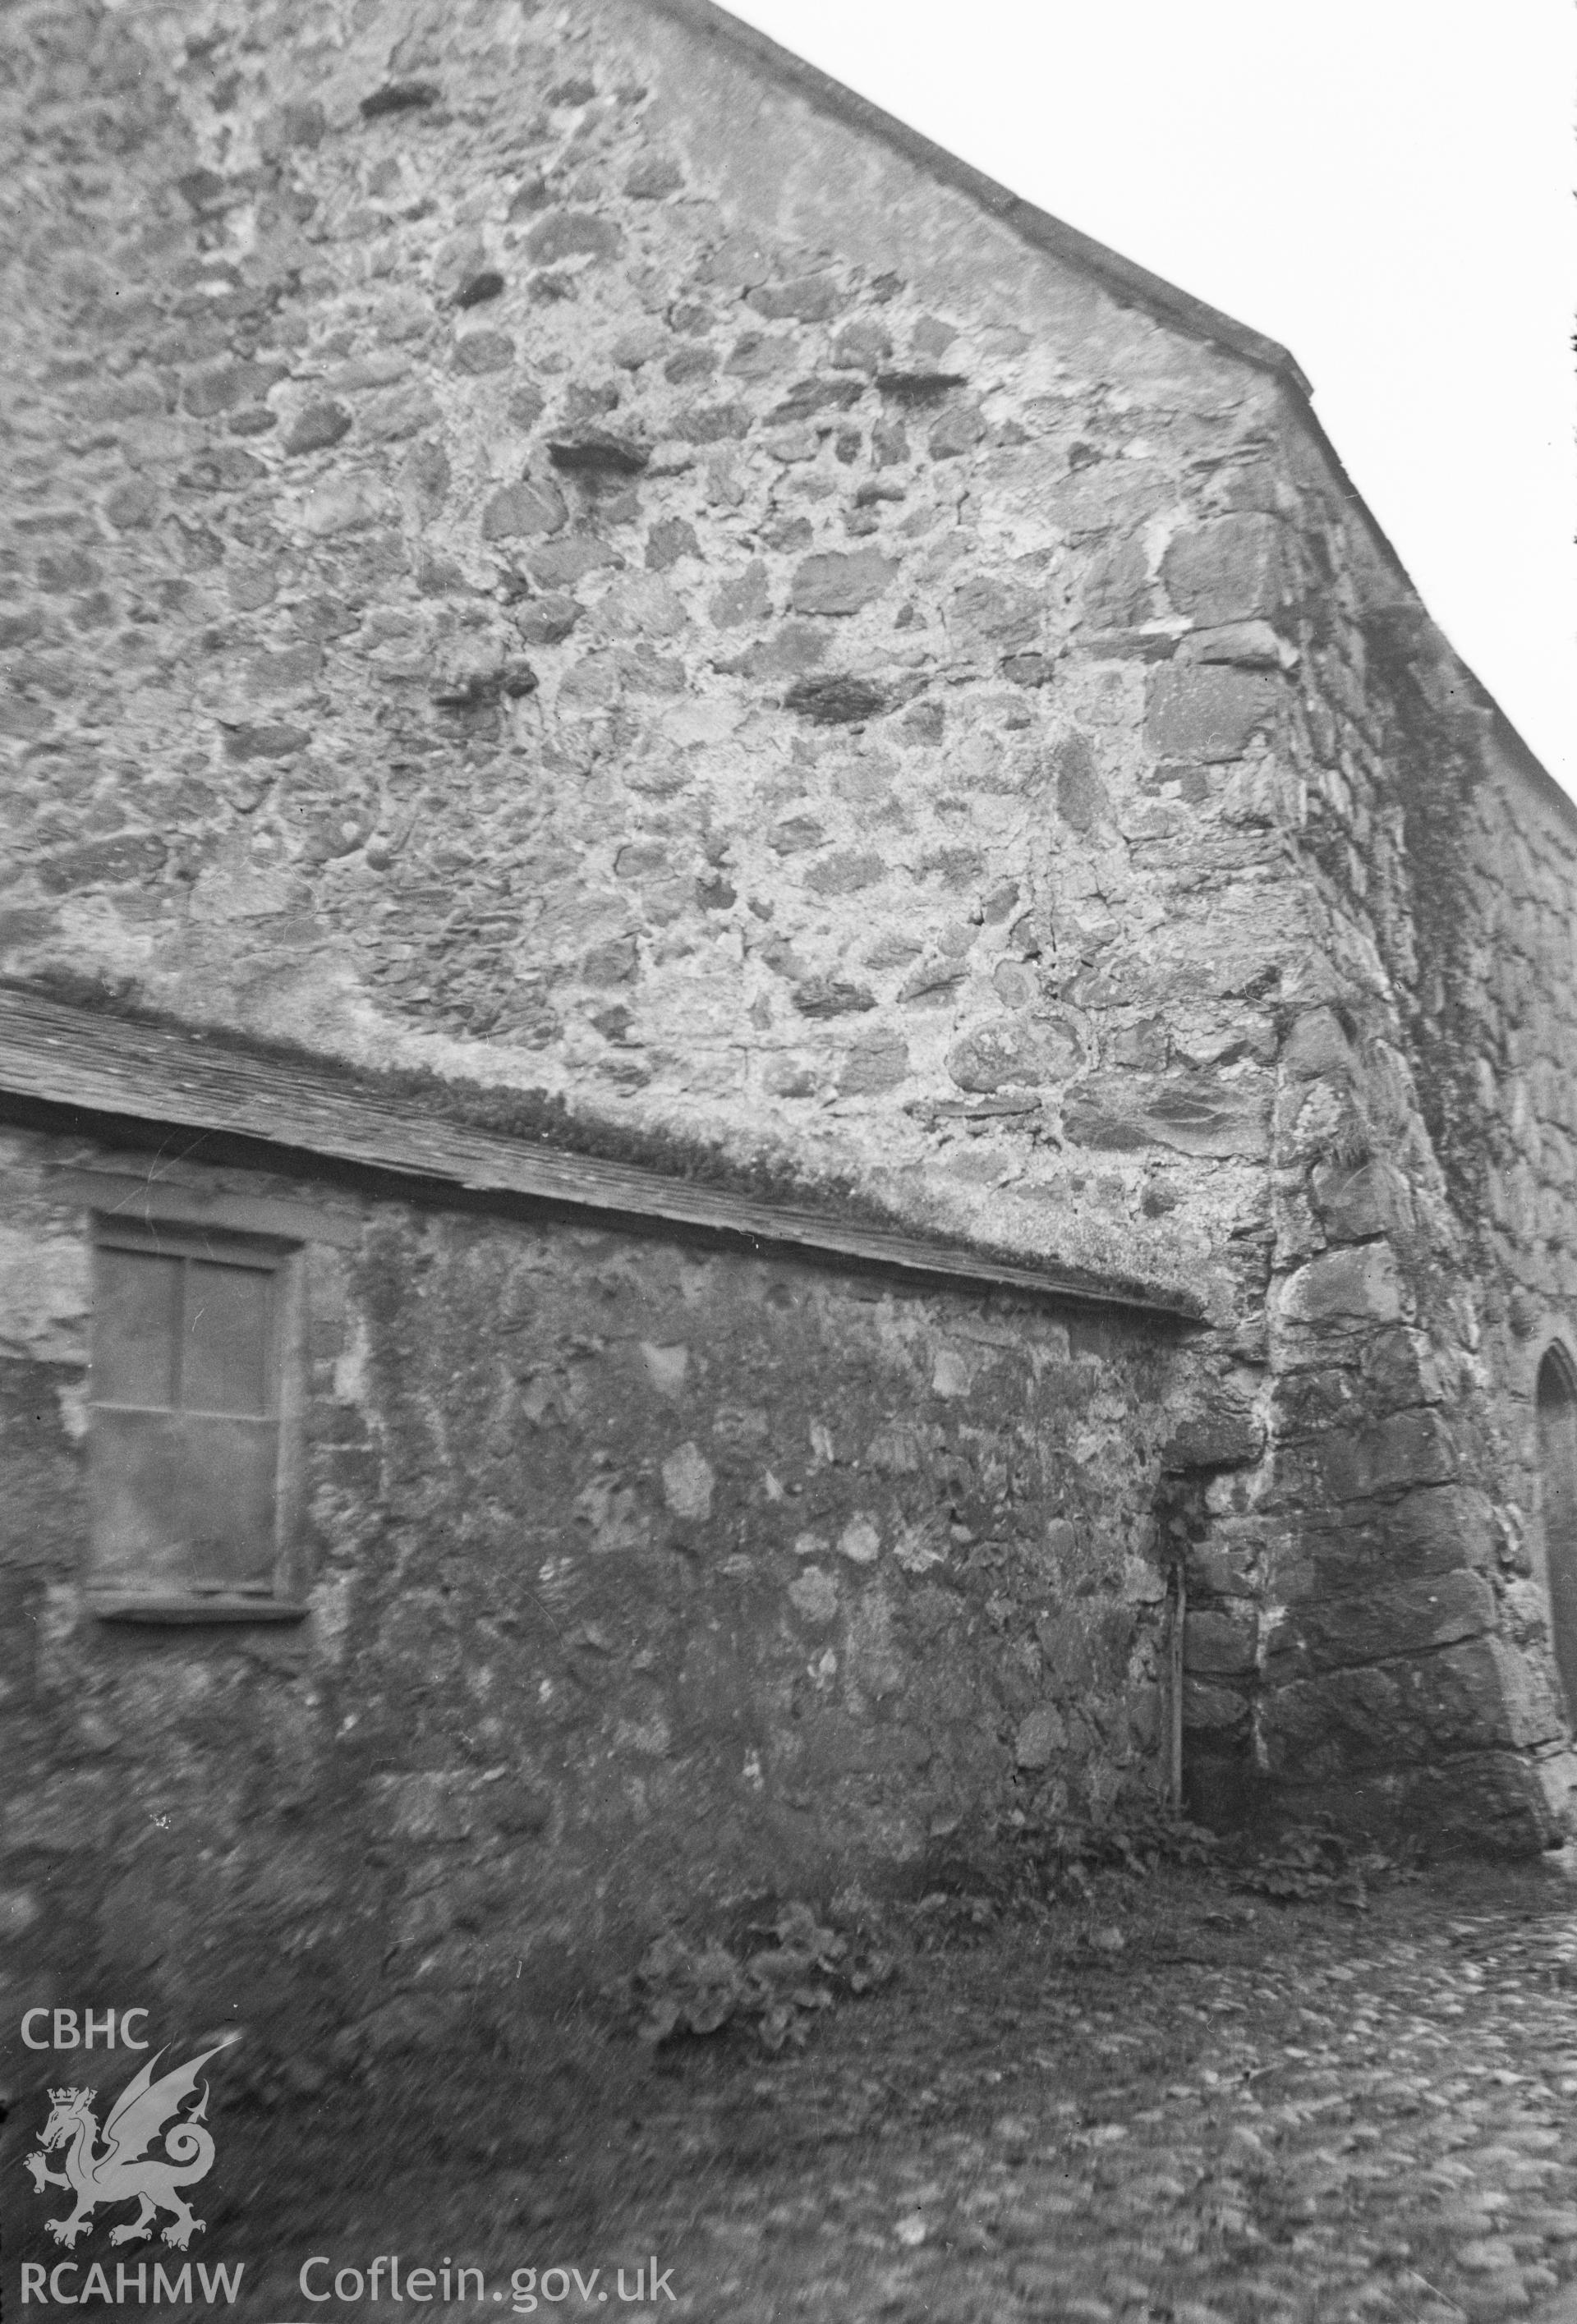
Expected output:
(92, 1074)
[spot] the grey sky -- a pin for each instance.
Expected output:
(1383, 185)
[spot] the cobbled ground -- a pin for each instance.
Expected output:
(1245, 2112)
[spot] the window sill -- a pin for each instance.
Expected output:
(220, 1605)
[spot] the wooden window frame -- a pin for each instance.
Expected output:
(284, 1599)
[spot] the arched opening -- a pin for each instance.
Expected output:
(1557, 1425)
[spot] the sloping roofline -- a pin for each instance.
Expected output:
(1130, 284)
(84, 1073)
(1135, 285)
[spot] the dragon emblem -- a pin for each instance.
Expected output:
(122, 2171)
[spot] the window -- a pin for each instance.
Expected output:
(190, 1415)
(1558, 1428)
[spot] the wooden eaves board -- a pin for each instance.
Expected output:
(110, 1066)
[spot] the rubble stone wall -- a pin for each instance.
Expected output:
(1376, 1594)
(649, 1581)
(536, 549)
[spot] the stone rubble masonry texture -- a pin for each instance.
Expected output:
(534, 549)
(648, 1579)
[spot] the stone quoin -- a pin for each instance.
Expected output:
(784, 1066)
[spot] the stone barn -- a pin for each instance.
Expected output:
(786, 1072)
